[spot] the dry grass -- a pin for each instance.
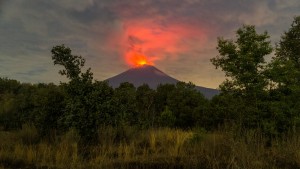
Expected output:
(153, 148)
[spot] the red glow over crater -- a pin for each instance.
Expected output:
(145, 41)
(137, 59)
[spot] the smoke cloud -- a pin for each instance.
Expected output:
(178, 36)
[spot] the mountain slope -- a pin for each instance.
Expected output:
(152, 76)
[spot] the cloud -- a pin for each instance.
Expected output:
(179, 36)
(77, 5)
(33, 72)
(260, 16)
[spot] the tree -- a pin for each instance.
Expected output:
(289, 45)
(161, 97)
(284, 70)
(187, 104)
(62, 55)
(243, 61)
(145, 105)
(103, 93)
(9, 108)
(124, 104)
(81, 101)
(284, 74)
(49, 106)
(9, 114)
(9, 86)
(223, 109)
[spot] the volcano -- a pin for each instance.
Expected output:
(152, 76)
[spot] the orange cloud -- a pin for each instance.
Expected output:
(154, 40)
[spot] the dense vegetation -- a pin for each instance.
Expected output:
(259, 106)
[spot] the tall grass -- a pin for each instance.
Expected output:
(129, 147)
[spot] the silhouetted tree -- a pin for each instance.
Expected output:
(145, 105)
(81, 102)
(124, 100)
(284, 75)
(187, 104)
(244, 64)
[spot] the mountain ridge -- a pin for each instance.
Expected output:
(147, 74)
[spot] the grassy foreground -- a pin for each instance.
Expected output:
(152, 148)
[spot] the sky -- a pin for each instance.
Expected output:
(179, 37)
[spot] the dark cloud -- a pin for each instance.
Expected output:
(33, 72)
(100, 30)
(93, 14)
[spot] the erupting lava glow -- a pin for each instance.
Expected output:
(146, 41)
(137, 59)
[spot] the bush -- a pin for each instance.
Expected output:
(167, 118)
(28, 134)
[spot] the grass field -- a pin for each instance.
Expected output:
(129, 147)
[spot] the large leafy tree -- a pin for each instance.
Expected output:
(243, 61)
(284, 73)
(72, 64)
(82, 98)
(284, 70)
